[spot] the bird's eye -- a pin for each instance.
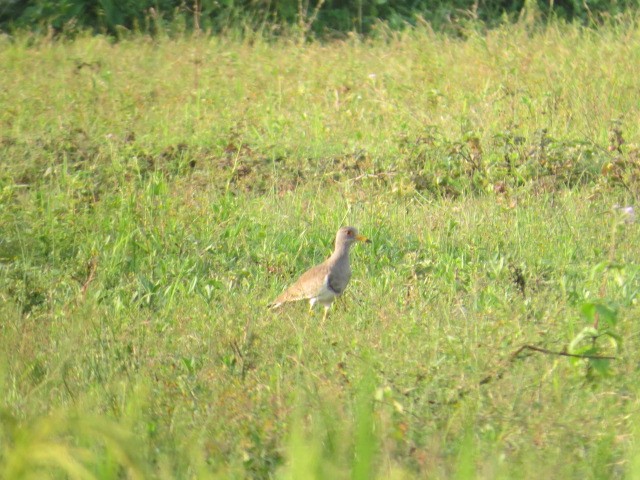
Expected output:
(350, 233)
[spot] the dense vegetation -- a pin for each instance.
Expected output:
(157, 193)
(326, 17)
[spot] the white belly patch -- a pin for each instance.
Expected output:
(325, 296)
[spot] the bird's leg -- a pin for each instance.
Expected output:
(326, 312)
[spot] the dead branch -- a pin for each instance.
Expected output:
(514, 356)
(499, 373)
(92, 266)
(561, 353)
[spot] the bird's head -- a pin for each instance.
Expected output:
(348, 235)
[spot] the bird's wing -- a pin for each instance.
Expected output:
(307, 286)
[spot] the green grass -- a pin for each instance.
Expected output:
(155, 195)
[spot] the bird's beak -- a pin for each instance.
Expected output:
(362, 238)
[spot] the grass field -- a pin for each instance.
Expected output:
(157, 194)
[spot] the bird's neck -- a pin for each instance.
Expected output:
(340, 252)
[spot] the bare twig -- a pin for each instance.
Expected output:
(561, 353)
(514, 356)
(372, 175)
(503, 368)
(91, 275)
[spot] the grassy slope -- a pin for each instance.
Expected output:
(156, 195)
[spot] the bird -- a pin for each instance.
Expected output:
(326, 281)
